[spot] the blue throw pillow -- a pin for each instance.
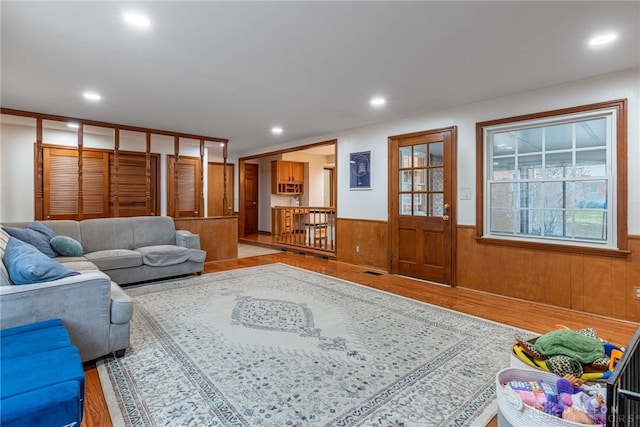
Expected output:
(66, 246)
(36, 234)
(27, 265)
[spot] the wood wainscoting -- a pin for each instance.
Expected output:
(593, 284)
(218, 235)
(363, 242)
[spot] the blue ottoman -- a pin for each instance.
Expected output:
(33, 338)
(42, 379)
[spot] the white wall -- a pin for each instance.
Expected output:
(373, 204)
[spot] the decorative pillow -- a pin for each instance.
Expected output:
(36, 234)
(66, 246)
(27, 265)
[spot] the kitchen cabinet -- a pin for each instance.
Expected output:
(287, 177)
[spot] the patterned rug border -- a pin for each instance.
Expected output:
(117, 417)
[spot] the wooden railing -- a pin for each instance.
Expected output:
(312, 227)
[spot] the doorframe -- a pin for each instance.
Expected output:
(392, 204)
(241, 192)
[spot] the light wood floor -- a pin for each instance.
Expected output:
(534, 317)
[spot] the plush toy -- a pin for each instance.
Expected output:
(576, 415)
(596, 408)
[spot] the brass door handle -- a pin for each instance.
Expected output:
(445, 217)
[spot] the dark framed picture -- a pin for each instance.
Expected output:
(360, 171)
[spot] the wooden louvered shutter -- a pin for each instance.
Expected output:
(188, 190)
(60, 174)
(132, 184)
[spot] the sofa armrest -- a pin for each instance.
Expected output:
(82, 302)
(187, 239)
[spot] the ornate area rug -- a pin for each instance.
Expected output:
(279, 346)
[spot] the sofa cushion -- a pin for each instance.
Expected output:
(111, 259)
(4, 274)
(163, 255)
(36, 234)
(66, 246)
(82, 266)
(106, 233)
(27, 265)
(153, 230)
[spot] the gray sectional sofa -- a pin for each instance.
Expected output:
(92, 305)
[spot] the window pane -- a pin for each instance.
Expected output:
(420, 204)
(590, 194)
(435, 153)
(436, 203)
(558, 137)
(590, 225)
(530, 140)
(531, 195)
(554, 195)
(504, 143)
(591, 133)
(554, 224)
(531, 222)
(591, 163)
(503, 221)
(419, 155)
(405, 157)
(502, 195)
(504, 168)
(405, 180)
(419, 176)
(530, 166)
(559, 165)
(436, 180)
(405, 204)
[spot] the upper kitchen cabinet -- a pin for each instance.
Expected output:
(287, 177)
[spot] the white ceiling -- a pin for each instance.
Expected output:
(235, 69)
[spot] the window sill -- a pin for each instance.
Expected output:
(582, 250)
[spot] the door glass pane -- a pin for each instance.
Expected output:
(419, 155)
(405, 157)
(419, 176)
(420, 204)
(436, 153)
(436, 180)
(405, 180)
(405, 204)
(436, 203)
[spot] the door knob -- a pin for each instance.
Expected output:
(445, 217)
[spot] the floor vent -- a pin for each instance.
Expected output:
(373, 273)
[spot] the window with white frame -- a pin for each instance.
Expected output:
(552, 178)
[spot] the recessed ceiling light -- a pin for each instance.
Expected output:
(377, 101)
(137, 20)
(92, 96)
(73, 125)
(602, 39)
(276, 130)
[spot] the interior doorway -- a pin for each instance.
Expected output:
(251, 194)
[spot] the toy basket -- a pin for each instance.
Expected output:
(517, 414)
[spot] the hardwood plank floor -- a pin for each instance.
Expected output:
(537, 318)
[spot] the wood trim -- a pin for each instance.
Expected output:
(620, 106)
(148, 173)
(292, 149)
(116, 170)
(54, 117)
(201, 195)
(39, 182)
(241, 198)
(80, 173)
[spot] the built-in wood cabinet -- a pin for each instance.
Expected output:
(287, 177)
(284, 219)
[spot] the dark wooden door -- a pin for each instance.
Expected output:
(250, 198)
(421, 203)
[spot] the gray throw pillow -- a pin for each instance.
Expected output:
(27, 265)
(36, 234)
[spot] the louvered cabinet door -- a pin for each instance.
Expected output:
(184, 200)
(132, 185)
(62, 198)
